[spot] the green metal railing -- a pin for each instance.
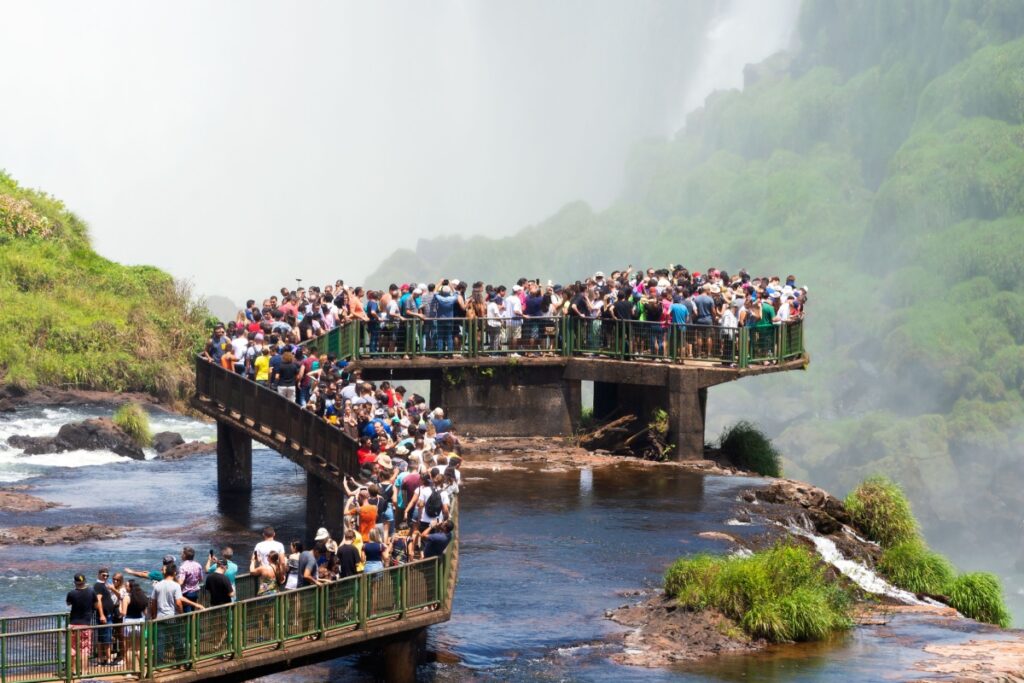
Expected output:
(738, 347)
(62, 653)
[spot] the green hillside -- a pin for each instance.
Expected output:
(883, 163)
(72, 318)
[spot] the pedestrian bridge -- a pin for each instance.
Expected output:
(252, 637)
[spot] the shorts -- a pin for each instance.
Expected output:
(104, 635)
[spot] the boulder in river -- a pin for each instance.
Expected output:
(94, 434)
(164, 441)
(189, 449)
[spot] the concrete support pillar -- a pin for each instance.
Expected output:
(323, 507)
(572, 394)
(400, 656)
(510, 400)
(687, 406)
(606, 399)
(234, 459)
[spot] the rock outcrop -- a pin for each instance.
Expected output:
(165, 441)
(186, 450)
(94, 434)
(58, 535)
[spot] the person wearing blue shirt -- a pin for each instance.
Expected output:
(445, 302)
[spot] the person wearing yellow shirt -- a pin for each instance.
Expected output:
(262, 365)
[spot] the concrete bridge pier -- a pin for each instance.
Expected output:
(510, 400)
(323, 507)
(234, 459)
(400, 656)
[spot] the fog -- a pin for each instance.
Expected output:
(241, 144)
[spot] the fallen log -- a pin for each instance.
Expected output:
(611, 434)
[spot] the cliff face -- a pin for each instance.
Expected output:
(882, 161)
(71, 317)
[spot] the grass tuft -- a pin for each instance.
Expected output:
(912, 566)
(881, 510)
(749, 449)
(134, 421)
(979, 595)
(779, 594)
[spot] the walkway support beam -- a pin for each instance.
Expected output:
(234, 459)
(323, 506)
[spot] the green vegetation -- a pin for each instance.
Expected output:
(73, 318)
(134, 421)
(912, 566)
(779, 594)
(749, 449)
(879, 509)
(882, 163)
(979, 596)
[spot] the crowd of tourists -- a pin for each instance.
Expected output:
(401, 512)
(707, 308)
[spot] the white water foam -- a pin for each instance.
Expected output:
(16, 466)
(855, 571)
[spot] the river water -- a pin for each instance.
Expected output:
(544, 554)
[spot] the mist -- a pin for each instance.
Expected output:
(204, 137)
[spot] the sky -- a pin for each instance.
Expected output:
(240, 144)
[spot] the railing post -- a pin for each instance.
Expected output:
(403, 592)
(67, 653)
(192, 626)
(744, 342)
(238, 624)
(363, 601)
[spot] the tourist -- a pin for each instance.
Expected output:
(154, 575)
(375, 553)
(104, 615)
(268, 545)
(83, 601)
(119, 596)
(136, 607)
(349, 556)
(167, 598)
(437, 538)
(292, 562)
(309, 563)
(227, 554)
(270, 574)
(219, 586)
(190, 576)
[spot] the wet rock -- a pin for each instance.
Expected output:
(94, 434)
(718, 536)
(164, 441)
(187, 450)
(7, 406)
(58, 535)
(18, 501)
(788, 492)
(664, 634)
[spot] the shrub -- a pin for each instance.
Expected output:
(778, 594)
(879, 508)
(978, 595)
(750, 449)
(913, 567)
(134, 421)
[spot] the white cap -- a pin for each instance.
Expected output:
(517, 288)
(456, 283)
(417, 291)
(598, 274)
(422, 287)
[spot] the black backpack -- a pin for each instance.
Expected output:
(382, 504)
(434, 504)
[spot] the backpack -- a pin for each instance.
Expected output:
(434, 504)
(382, 504)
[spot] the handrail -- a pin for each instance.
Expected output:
(354, 604)
(276, 417)
(739, 347)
